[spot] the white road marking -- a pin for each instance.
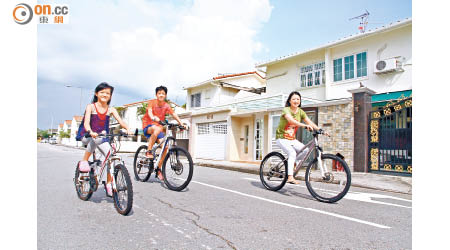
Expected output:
(360, 196)
(294, 206)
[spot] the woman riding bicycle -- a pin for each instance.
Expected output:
(96, 121)
(291, 119)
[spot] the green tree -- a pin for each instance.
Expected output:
(63, 134)
(142, 109)
(121, 111)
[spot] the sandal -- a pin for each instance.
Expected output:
(149, 155)
(159, 175)
(294, 181)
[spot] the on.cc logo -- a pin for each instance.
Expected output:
(22, 13)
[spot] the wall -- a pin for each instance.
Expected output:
(341, 130)
(284, 76)
(235, 147)
(386, 45)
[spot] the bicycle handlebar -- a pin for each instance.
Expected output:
(171, 125)
(108, 135)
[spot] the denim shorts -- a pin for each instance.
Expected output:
(160, 136)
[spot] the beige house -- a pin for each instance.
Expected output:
(231, 117)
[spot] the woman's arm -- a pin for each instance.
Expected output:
(291, 120)
(312, 124)
(121, 122)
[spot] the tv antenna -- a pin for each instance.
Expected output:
(363, 24)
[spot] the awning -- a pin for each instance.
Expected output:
(382, 99)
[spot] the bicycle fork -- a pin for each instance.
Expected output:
(322, 168)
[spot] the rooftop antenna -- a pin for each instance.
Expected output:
(363, 24)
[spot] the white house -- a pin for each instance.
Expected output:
(237, 122)
(378, 61)
(75, 124)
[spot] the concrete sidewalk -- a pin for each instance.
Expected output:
(390, 183)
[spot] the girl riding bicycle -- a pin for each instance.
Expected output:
(96, 121)
(290, 120)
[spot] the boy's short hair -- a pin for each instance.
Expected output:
(161, 88)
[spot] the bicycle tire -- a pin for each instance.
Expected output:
(122, 185)
(177, 167)
(82, 195)
(273, 164)
(138, 165)
(316, 184)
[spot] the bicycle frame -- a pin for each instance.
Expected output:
(109, 158)
(313, 144)
(164, 141)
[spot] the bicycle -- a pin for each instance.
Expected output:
(122, 188)
(179, 174)
(325, 181)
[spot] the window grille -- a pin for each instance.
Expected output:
(220, 128)
(203, 129)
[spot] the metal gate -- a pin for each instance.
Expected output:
(390, 138)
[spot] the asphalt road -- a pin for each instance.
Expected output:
(219, 210)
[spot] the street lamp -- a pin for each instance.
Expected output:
(81, 93)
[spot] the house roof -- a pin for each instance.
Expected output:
(61, 125)
(209, 81)
(78, 118)
(136, 103)
(238, 74)
(68, 122)
(370, 32)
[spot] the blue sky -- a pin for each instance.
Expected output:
(137, 45)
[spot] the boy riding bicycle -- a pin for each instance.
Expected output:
(156, 112)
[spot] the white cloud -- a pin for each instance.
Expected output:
(140, 44)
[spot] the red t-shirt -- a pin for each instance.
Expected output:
(159, 111)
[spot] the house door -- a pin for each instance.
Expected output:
(259, 138)
(210, 142)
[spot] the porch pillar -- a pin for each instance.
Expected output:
(362, 105)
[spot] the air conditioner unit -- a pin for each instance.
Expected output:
(387, 66)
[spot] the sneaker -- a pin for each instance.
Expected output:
(84, 166)
(109, 189)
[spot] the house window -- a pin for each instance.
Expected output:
(310, 79)
(310, 75)
(349, 67)
(337, 69)
(361, 64)
(275, 122)
(195, 100)
(352, 63)
(317, 78)
(246, 139)
(303, 80)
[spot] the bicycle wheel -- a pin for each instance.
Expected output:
(336, 182)
(177, 169)
(141, 165)
(272, 171)
(123, 195)
(82, 185)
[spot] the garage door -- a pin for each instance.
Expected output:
(210, 142)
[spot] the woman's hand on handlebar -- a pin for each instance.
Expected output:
(93, 134)
(309, 127)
